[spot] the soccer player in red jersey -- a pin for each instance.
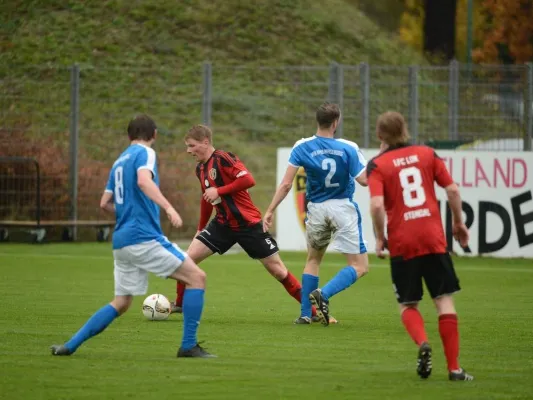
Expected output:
(225, 182)
(401, 181)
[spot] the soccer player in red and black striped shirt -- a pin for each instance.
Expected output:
(225, 182)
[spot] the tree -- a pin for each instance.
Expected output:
(429, 26)
(508, 36)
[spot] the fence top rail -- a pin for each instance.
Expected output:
(84, 66)
(18, 159)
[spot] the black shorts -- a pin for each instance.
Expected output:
(436, 270)
(256, 243)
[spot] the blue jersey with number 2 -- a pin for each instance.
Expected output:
(331, 165)
(137, 215)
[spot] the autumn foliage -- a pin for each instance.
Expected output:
(508, 32)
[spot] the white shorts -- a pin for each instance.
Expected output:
(132, 264)
(339, 219)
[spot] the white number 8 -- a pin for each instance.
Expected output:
(414, 187)
(119, 186)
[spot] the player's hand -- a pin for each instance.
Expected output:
(381, 245)
(211, 194)
(267, 220)
(174, 217)
(460, 233)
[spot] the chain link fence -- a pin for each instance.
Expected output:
(73, 120)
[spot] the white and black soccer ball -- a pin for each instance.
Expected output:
(156, 307)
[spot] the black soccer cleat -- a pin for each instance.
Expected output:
(60, 350)
(322, 306)
(195, 352)
(424, 365)
(302, 321)
(460, 375)
(174, 309)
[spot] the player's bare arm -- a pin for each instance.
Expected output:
(150, 189)
(283, 190)
(362, 179)
(377, 211)
(106, 202)
(460, 231)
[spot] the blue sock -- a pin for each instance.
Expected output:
(94, 325)
(309, 283)
(345, 278)
(193, 304)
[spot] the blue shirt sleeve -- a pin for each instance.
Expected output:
(357, 163)
(295, 157)
(110, 187)
(146, 160)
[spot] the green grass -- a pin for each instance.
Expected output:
(48, 292)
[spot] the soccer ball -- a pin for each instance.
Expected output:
(156, 307)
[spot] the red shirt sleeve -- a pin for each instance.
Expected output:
(241, 183)
(236, 172)
(206, 209)
(375, 179)
(442, 176)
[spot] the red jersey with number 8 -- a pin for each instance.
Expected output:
(405, 176)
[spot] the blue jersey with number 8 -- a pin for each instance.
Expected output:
(331, 165)
(137, 216)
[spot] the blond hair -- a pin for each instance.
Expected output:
(199, 133)
(392, 128)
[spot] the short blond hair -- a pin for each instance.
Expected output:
(199, 133)
(392, 128)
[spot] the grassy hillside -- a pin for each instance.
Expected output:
(171, 33)
(146, 56)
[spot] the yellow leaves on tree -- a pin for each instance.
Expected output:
(411, 24)
(508, 32)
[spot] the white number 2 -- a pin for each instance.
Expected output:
(119, 186)
(411, 181)
(329, 163)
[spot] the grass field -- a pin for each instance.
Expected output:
(49, 291)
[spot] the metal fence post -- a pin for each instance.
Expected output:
(528, 108)
(413, 102)
(74, 135)
(332, 81)
(340, 98)
(207, 94)
(336, 89)
(364, 77)
(453, 101)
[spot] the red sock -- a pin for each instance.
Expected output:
(180, 290)
(294, 288)
(414, 324)
(449, 334)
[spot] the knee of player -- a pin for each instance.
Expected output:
(275, 266)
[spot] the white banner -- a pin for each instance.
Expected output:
(496, 188)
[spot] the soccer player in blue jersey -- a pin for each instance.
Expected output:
(139, 245)
(332, 165)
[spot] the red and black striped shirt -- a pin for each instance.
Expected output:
(236, 208)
